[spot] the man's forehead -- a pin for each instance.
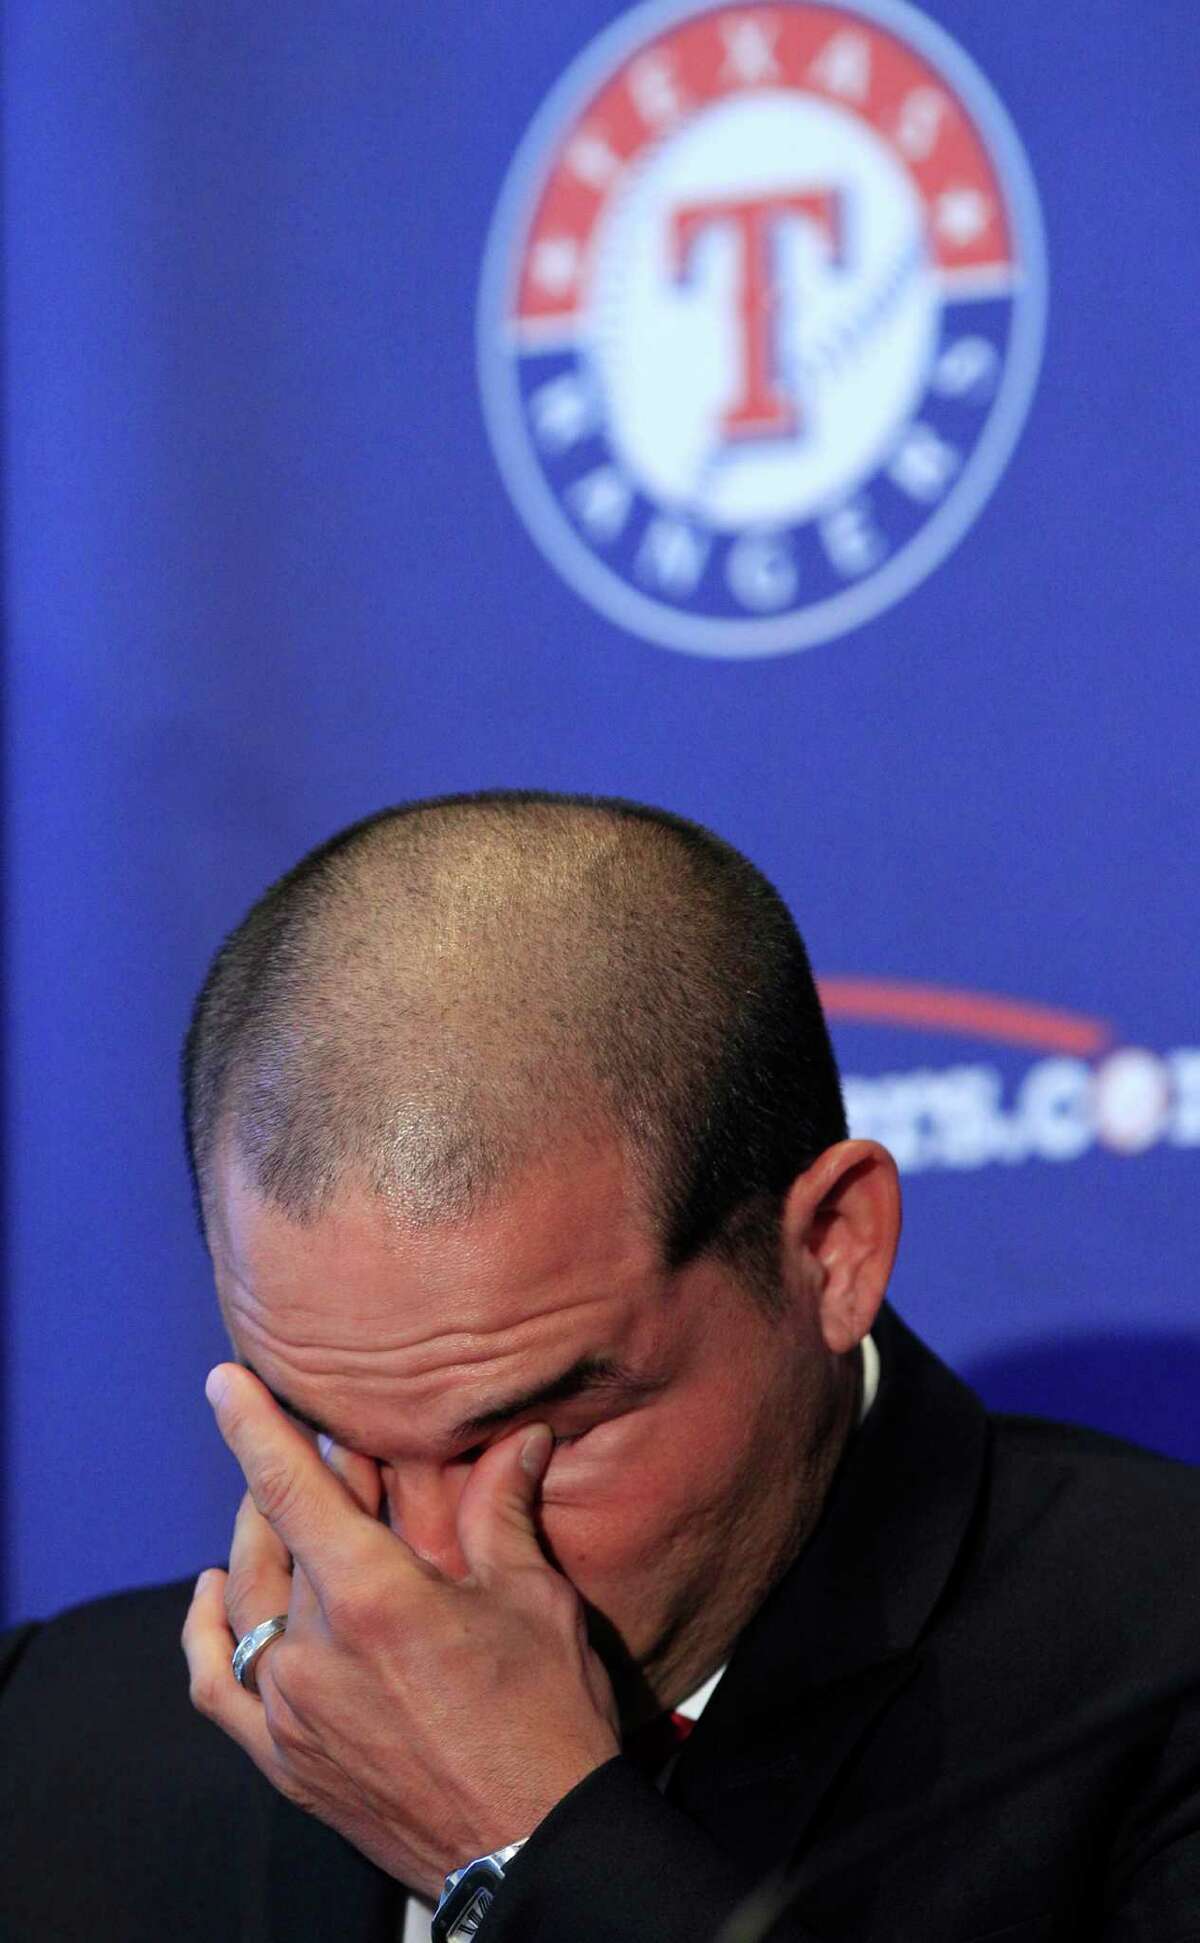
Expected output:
(577, 1212)
(351, 1304)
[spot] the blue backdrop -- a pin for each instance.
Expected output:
(295, 528)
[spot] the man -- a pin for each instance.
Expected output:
(520, 1154)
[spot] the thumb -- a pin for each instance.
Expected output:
(360, 1475)
(496, 1527)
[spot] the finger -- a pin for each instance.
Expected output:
(311, 1512)
(305, 1606)
(496, 1527)
(360, 1475)
(259, 1582)
(262, 1581)
(208, 1648)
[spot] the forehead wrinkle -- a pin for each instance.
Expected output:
(467, 1366)
(463, 1346)
(239, 1293)
(353, 1358)
(544, 1303)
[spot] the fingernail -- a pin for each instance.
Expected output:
(216, 1385)
(535, 1451)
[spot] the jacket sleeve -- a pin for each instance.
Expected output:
(615, 1862)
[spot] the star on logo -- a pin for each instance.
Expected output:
(750, 50)
(555, 264)
(962, 215)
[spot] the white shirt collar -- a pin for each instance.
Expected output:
(870, 1375)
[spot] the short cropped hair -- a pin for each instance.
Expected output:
(444, 991)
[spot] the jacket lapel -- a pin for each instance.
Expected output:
(840, 1636)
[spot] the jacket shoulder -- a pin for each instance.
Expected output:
(1099, 1477)
(120, 1805)
(12, 1646)
(1108, 1531)
(103, 1639)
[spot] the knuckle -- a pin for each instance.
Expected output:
(356, 1614)
(275, 1491)
(204, 1692)
(552, 1595)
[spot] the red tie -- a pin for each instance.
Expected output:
(652, 1746)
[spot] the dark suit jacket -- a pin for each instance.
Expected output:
(970, 1710)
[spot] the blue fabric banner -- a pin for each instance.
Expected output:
(784, 413)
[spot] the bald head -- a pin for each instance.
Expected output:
(443, 994)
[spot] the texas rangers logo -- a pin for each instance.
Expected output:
(761, 317)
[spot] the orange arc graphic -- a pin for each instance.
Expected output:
(974, 1015)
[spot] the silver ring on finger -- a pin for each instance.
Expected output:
(249, 1647)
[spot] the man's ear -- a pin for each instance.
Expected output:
(840, 1227)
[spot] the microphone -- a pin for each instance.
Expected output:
(757, 1914)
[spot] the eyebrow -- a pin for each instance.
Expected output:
(586, 1374)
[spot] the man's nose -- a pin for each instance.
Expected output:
(422, 1501)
